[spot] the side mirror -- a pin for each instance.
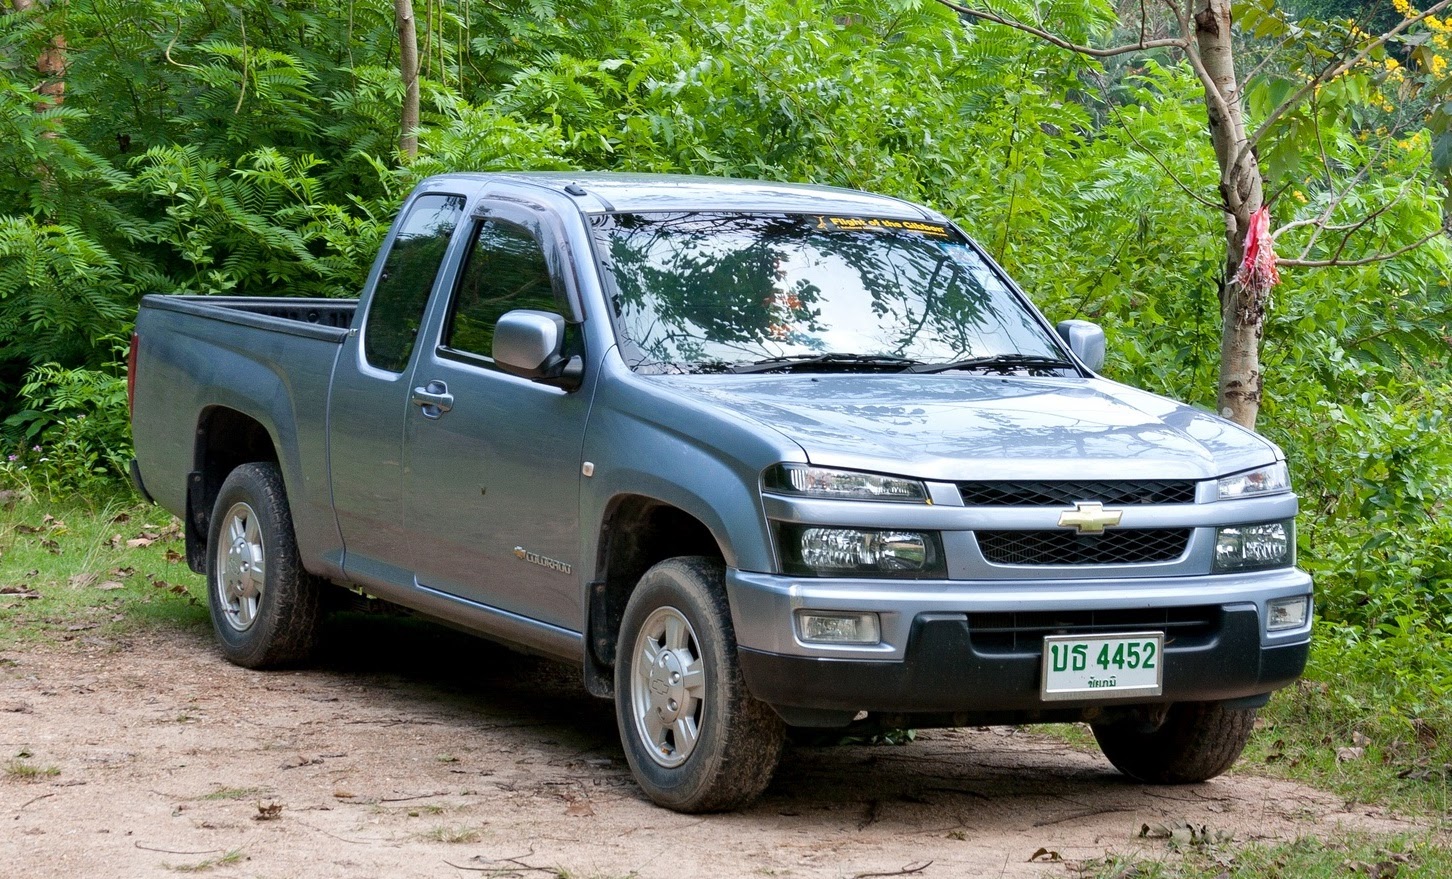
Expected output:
(529, 344)
(1085, 339)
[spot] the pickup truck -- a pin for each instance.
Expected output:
(753, 456)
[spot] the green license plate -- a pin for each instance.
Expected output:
(1103, 666)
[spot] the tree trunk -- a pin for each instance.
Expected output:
(408, 70)
(51, 64)
(1242, 311)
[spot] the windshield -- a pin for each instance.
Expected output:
(715, 292)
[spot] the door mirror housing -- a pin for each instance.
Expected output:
(530, 344)
(1085, 339)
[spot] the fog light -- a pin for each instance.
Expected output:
(1287, 613)
(1251, 547)
(838, 628)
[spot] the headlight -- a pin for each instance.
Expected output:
(850, 485)
(1252, 547)
(860, 552)
(1271, 479)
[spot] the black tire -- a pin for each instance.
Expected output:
(1198, 741)
(737, 741)
(272, 620)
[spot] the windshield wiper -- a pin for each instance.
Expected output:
(771, 364)
(1004, 363)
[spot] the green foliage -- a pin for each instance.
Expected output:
(74, 434)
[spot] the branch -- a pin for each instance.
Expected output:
(1321, 224)
(1364, 261)
(1214, 206)
(1062, 43)
(1207, 82)
(1331, 72)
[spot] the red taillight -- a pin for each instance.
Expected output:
(131, 374)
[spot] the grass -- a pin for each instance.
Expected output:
(22, 770)
(1350, 738)
(80, 569)
(232, 857)
(452, 834)
(232, 793)
(1306, 858)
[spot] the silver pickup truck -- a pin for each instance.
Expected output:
(754, 456)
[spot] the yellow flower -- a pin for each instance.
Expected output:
(1439, 66)
(1405, 8)
(1392, 63)
(1299, 196)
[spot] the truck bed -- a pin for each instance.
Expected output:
(269, 359)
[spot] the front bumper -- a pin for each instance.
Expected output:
(965, 647)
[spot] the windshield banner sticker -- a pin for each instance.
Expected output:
(879, 224)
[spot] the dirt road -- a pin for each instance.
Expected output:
(406, 750)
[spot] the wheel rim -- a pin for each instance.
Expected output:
(667, 687)
(241, 579)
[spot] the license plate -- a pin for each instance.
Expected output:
(1103, 666)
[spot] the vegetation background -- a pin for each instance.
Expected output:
(256, 147)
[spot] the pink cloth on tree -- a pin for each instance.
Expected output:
(1258, 269)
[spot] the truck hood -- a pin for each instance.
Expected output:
(954, 427)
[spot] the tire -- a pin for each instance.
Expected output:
(1198, 741)
(266, 621)
(695, 739)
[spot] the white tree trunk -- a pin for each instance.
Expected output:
(408, 71)
(1242, 311)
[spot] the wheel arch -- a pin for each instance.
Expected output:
(225, 439)
(636, 532)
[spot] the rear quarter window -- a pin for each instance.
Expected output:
(409, 271)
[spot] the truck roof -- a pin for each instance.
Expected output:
(609, 192)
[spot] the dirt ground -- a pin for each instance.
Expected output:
(407, 751)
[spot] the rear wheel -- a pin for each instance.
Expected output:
(695, 739)
(1197, 741)
(266, 609)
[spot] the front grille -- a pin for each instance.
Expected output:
(1064, 547)
(1068, 493)
(1023, 633)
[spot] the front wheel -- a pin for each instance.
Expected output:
(1197, 741)
(695, 739)
(266, 609)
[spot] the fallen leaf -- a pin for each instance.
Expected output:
(123, 572)
(110, 584)
(51, 546)
(268, 812)
(1045, 856)
(1359, 739)
(23, 591)
(173, 556)
(141, 542)
(1349, 755)
(344, 795)
(114, 542)
(580, 809)
(81, 581)
(121, 518)
(26, 529)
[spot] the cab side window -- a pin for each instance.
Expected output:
(506, 269)
(408, 275)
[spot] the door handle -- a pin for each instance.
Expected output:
(434, 398)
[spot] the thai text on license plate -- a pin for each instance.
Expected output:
(1103, 666)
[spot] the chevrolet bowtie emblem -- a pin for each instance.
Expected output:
(1090, 518)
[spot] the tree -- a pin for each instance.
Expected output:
(408, 71)
(1202, 32)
